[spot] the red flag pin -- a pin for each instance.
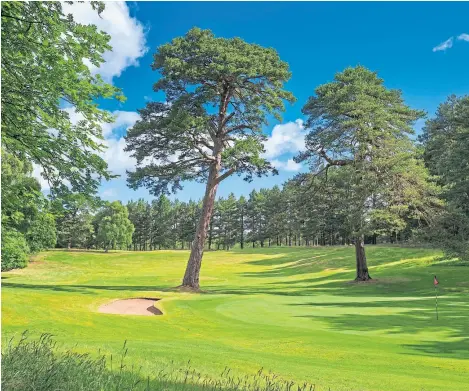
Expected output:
(435, 284)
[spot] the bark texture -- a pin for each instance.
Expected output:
(191, 276)
(362, 267)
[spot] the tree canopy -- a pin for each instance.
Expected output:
(445, 140)
(219, 93)
(46, 82)
(114, 229)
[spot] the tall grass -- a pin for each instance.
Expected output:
(39, 365)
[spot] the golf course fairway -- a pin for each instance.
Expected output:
(293, 311)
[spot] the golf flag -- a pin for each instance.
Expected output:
(435, 284)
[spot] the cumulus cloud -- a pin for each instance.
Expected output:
(117, 159)
(123, 119)
(289, 165)
(286, 138)
(127, 35)
(463, 37)
(448, 44)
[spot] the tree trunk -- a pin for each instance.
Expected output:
(210, 236)
(242, 231)
(191, 277)
(362, 268)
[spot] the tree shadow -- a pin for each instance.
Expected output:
(88, 289)
(316, 259)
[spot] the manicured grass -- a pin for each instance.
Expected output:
(289, 310)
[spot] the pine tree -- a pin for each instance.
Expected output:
(355, 121)
(242, 84)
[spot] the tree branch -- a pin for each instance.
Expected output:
(226, 175)
(333, 162)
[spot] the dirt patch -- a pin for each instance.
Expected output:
(138, 306)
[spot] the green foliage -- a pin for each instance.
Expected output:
(446, 144)
(225, 230)
(161, 224)
(358, 124)
(15, 250)
(219, 92)
(445, 140)
(44, 52)
(21, 193)
(26, 224)
(114, 229)
(74, 216)
(41, 233)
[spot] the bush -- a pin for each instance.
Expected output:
(38, 365)
(15, 250)
(41, 233)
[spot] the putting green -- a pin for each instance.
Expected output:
(290, 310)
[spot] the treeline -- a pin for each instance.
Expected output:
(299, 214)
(308, 210)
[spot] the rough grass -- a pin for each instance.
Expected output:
(291, 311)
(38, 365)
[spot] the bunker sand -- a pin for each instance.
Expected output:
(139, 306)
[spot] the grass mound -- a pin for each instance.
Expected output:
(39, 365)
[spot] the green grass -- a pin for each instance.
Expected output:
(291, 311)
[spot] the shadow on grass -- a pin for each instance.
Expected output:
(296, 261)
(413, 316)
(456, 349)
(397, 275)
(88, 289)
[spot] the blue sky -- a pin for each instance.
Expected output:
(419, 48)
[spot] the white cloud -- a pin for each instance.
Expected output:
(117, 159)
(289, 165)
(448, 44)
(127, 35)
(114, 155)
(285, 138)
(122, 119)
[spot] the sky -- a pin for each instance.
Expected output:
(421, 48)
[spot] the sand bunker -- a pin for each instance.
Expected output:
(138, 306)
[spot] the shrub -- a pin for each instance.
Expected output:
(15, 250)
